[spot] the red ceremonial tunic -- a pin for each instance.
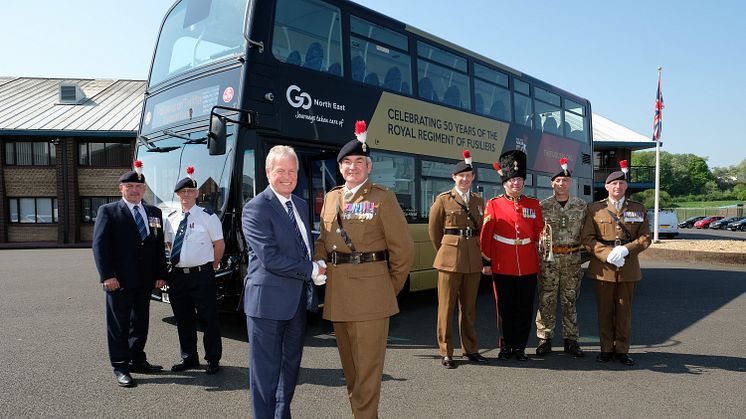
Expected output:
(510, 235)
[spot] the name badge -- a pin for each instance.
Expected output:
(633, 216)
(154, 222)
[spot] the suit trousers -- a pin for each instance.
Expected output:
(615, 315)
(461, 288)
(362, 350)
(190, 293)
(516, 306)
(127, 316)
(275, 351)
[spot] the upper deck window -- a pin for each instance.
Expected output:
(491, 94)
(575, 125)
(308, 34)
(379, 56)
(548, 111)
(441, 77)
(522, 105)
(196, 33)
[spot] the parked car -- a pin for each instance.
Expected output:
(722, 224)
(738, 225)
(705, 222)
(689, 222)
(668, 223)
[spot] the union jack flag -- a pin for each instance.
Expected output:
(658, 118)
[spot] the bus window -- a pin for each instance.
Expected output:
(488, 182)
(436, 178)
(491, 94)
(396, 172)
(308, 33)
(522, 109)
(248, 176)
(548, 113)
(197, 33)
(575, 121)
(445, 82)
(384, 62)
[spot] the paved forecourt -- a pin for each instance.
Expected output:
(688, 341)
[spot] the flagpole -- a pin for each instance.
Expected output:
(657, 177)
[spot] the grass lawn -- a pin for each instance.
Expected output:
(705, 204)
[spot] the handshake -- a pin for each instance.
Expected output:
(320, 277)
(617, 255)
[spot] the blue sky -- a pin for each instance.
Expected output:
(607, 52)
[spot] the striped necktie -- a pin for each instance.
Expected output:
(291, 215)
(179, 240)
(140, 223)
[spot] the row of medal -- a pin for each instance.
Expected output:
(359, 211)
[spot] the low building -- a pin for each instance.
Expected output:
(63, 145)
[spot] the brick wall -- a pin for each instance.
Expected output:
(95, 181)
(30, 181)
(3, 201)
(32, 233)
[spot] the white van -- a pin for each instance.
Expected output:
(668, 223)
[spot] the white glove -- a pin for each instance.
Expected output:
(319, 279)
(623, 250)
(616, 256)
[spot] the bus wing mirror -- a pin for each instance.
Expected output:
(216, 138)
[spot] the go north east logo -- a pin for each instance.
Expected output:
(302, 101)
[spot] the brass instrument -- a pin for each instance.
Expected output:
(546, 243)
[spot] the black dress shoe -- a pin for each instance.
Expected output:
(145, 367)
(544, 347)
(476, 357)
(572, 348)
(185, 364)
(520, 354)
(212, 367)
(124, 379)
(604, 357)
(504, 353)
(448, 362)
(625, 359)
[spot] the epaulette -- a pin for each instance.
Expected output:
(381, 187)
(444, 193)
(634, 202)
(208, 211)
(336, 187)
(172, 213)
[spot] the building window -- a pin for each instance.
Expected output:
(89, 206)
(104, 154)
(30, 153)
(33, 210)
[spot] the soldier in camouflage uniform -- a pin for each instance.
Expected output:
(564, 217)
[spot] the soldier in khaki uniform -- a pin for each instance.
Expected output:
(563, 218)
(615, 232)
(454, 224)
(367, 247)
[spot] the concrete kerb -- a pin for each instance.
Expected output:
(694, 256)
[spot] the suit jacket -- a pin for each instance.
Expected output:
(456, 253)
(120, 253)
(599, 225)
(506, 220)
(278, 270)
(365, 291)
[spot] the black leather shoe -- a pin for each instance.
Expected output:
(124, 379)
(184, 365)
(504, 353)
(544, 347)
(625, 359)
(520, 354)
(572, 348)
(145, 367)
(476, 357)
(448, 362)
(212, 367)
(604, 357)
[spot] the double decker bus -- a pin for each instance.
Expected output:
(232, 78)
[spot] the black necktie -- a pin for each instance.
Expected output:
(179, 240)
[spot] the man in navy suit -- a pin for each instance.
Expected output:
(129, 252)
(278, 288)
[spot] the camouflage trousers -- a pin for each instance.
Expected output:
(559, 277)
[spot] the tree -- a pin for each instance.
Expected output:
(647, 197)
(699, 174)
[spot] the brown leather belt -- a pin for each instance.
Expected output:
(463, 232)
(562, 250)
(337, 258)
(617, 242)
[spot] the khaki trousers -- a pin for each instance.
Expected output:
(362, 349)
(615, 317)
(458, 287)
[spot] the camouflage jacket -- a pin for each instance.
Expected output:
(566, 221)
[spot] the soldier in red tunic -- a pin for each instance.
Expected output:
(509, 240)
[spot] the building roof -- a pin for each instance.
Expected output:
(609, 134)
(31, 105)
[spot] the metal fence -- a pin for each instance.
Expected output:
(731, 211)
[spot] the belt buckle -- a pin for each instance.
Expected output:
(517, 242)
(468, 232)
(334, 258)
(355, 257)
(617, 242)
(186, 270)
